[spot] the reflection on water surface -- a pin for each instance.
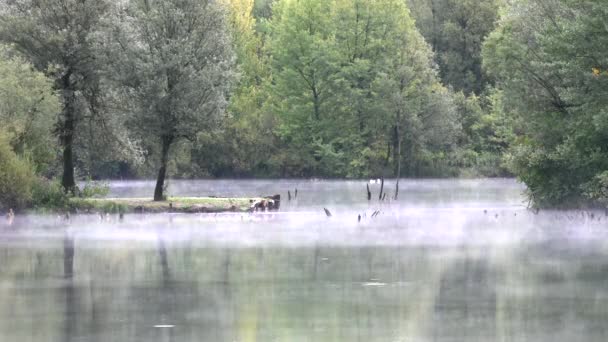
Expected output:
(450, 261)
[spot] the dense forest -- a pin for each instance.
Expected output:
(100, 89)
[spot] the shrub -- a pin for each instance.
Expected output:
(49, 194)
(16, 177)
(597, 189)
(491, 164)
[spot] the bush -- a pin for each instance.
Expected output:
(49, 194)
(597, 189)
(491, 164)
(94, 189)
(16, 178)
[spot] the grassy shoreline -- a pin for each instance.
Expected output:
(171, 205)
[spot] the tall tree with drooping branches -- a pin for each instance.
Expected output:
(175, 66)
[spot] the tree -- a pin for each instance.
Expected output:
(28, 106)
(16, 177)
(302, 65)
(456, 30)
(489, 130)
(348, 75)
(57, 37)
(549, 57)
(176, 67)
(247, 135)
(262, 8)
(421, 120)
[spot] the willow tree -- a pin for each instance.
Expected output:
(550, 61)
(57, 37)
(175, 67)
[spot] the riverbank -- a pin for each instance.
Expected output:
(171, 205)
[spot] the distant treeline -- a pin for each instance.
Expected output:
(317, 88)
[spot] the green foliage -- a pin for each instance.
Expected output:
(49, 194)
(94, 189)
(597, 189)
(262, 8)
(488, 132)
(249, 124)
(325, 85)
(175, 79)
(28, 106)
(546, 56)
(303, 59)
(16, 177)
(88, 205)
(456, 30)
(175, 69)
(346, 75)
(334, 88)
(58, 37)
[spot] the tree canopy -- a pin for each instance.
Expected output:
(550, 58)
(292, 88)
(175, 62)
(57, 37)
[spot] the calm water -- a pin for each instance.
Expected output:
(450, 261)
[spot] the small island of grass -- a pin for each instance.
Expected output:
(171, 205)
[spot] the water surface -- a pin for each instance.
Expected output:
(451, 260)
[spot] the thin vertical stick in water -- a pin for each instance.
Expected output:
(381, 188)
(369, 193)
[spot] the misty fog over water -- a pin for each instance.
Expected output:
(451, 260)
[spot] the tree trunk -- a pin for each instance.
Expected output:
(160, 180)
(67, 180)
(398, 142)
(66, 132)
(434, 39)
(316, 103)
(398, 131)
(387, 160)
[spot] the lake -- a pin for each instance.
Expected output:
(450, 260)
